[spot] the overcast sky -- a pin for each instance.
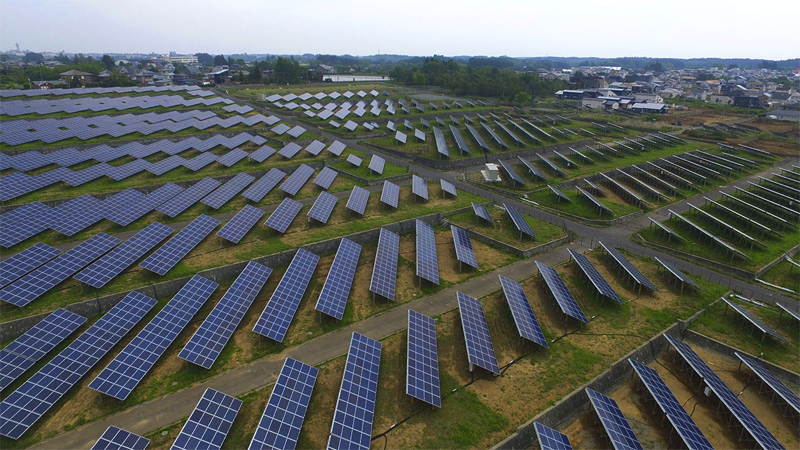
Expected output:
(676, 28)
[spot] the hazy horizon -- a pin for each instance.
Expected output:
(359, 28)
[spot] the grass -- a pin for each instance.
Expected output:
(504, 229)
(784, 274)
(580, 206)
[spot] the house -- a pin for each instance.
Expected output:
(746, 101)
(648, 98)
(51, 84)
(719, 99)
(568, 94)
(648, 108)
(102, 76)
(144, 77)
(606, 103)
(83, 77)
(219, 77)
(322, 68)
(784, 114)
(669, 93)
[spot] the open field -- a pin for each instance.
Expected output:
(503, 228)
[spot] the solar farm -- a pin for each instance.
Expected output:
(357, 266)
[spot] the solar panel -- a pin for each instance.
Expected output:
(333, 297)
(481, 212)
(169, 254)
(286, 408)
(754, 321)
(322, 207)
(480, 351)
(315, 147)
(25, 261)
(264, 185)
(209, 423)
(463, 245)
(127, 214)
(325, 178)
(427, 261)
(284, 214)
(358, 200)
(629, 268)
(419, 187)
(208, 341)
(731, 401)
(594, 276)
(678, 274)
(519, 220)
(377, 164)
(390, 194)
(297, 179)
(188, 197)
(562, 295)
(76, 215)
(241, 223)
(592, 199)
(20, 410)
(99, 273)
(279, 312)
(21, 354)
(23, 222)
(280, 129)
(422, 369)
(354, 160)
(289, 150)
(227, 191)
(232, 157)
(772, 381)
(262, 154)
(33, 285)
(677, 416)
(550, 439)
(118, 439)
(448, 187)
(511, 172)
(617, 428)
(122, 375)
(525, 320)
(384, 272)
(337, 148)
(355, 406)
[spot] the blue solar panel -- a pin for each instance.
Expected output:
(322, 207)
(325, 178)
(289, 150)
(628, 267)
(511, 172)
(772, 381)
(208, 341)
(482, 212)
(113, 263)
(24, 222)
(390, 194)
(283, 417)
(118, 439)
(550, 439)
(755, 321)
(594, 276)
(226, 192)
(297, 179)
(333, 298)
(419, 187)
(677, 273)
(427, 261)
(315, 147)
(209, 423)
(384, 272)
(617, 428)
(25, 261)
(232, 157)
(337, 148)
(464, 251)
(128, 213)
(731, 401)
(354, 160)
(262, 154)
(355, 406)
(34, 344)
(264, 185)
(448, 187)
(169, 254)
(562, 295)
(122, 375)
(189, 197)
(525, 320)
(480, 351)
(519, 221)
(76, 215)
(422, 369)
(33, 285)
(377, 164)
(284, 214)
(241, 223)
(27, 404)
(677, 416)
(277, 316)
(358, 200)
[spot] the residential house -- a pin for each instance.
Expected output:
(719, 99)
(83, 77)
(784, 114)
(660, 108)
(322, 68)
(646, 97)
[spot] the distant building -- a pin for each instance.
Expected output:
(322, 68)
(84, 77)
(784, 114)
(183, 59)
(660, 108)
(718, 99)
(50, 84)
(649, 98)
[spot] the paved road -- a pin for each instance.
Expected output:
(172, 408)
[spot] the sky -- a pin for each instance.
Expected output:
(668, 29)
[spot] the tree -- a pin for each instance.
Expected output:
(74, 82)
(220, 60)
(522, 97)
(204, 59)
(255, 74)
(33, 58)
(418, 78)
(108, 62)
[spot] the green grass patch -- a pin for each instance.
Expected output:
(580, 206)
(504, 229)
